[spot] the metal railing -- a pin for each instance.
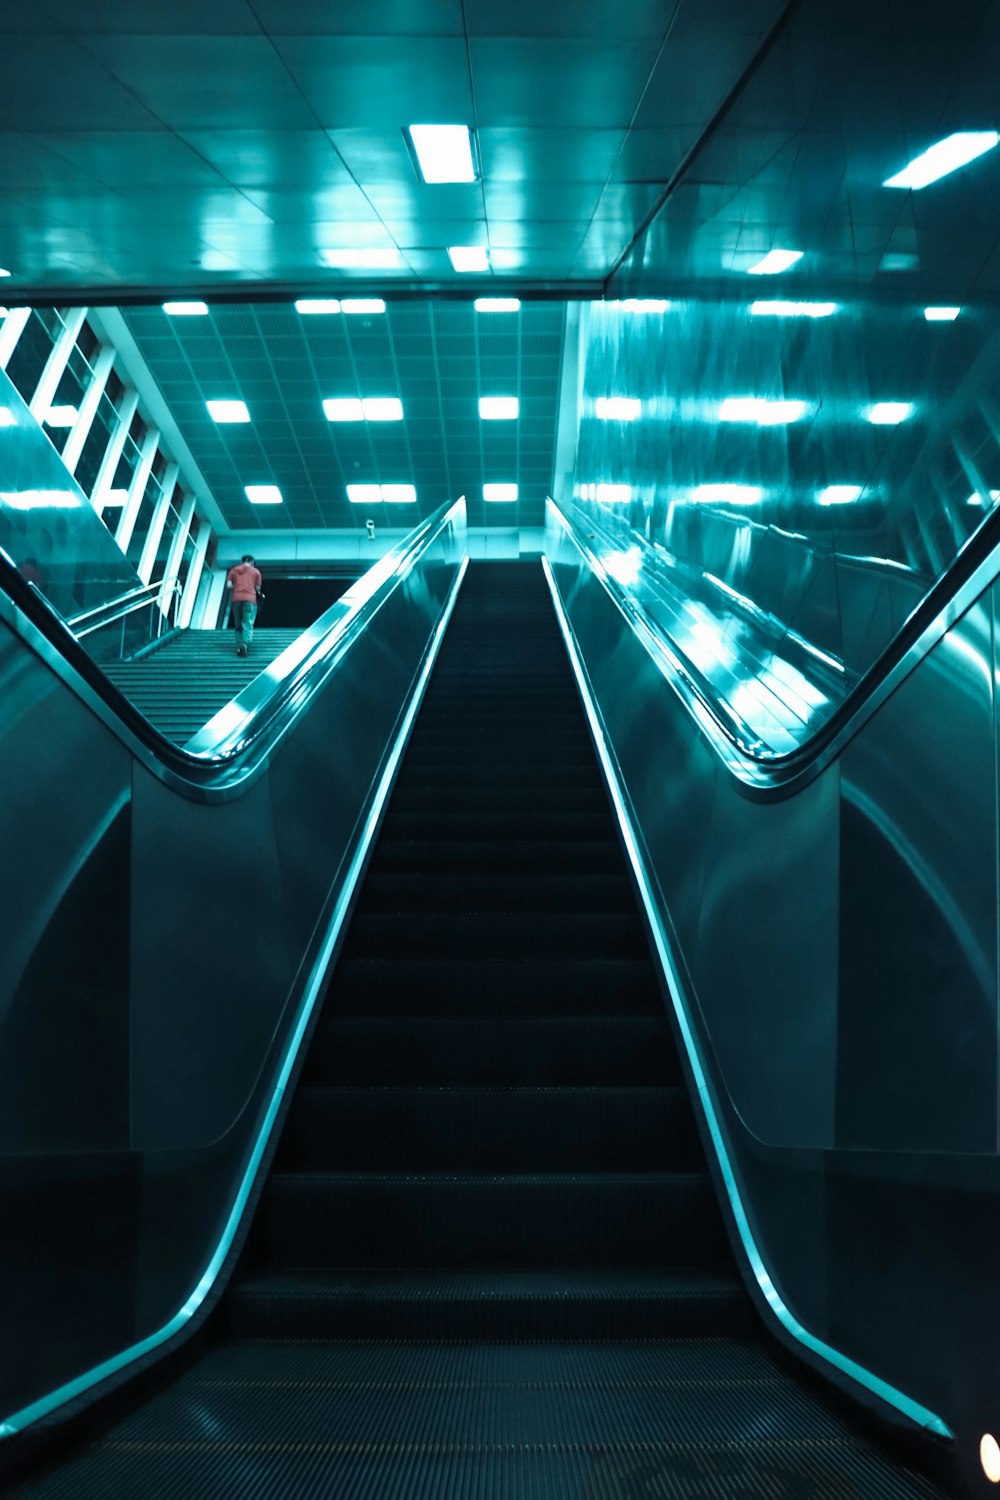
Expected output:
(126, 604)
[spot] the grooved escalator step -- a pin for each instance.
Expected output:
(541, 986)
(460, 775)
(565, 1304)
(498, 891)
(486, 823)
(532, 1051)
(445, 1219)
(497, 935)
(521, 857)
(491, 1130)
(529, 796)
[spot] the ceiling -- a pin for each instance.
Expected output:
(170, 145)
(438, 358)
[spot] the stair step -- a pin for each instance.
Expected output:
(481, 987)
(518, 857)
(444, 1219)
(497, 935)
(564, 1304)
(534, 1051)
(364, 1129)
(498, 891)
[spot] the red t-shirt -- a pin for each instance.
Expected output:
(246, 580)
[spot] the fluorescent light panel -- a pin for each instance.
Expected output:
(186, 309)
(498, 408)
(263, 494)
(380, 259)
(978, 499)
(839, 494)
(943, 157)
(369, 409)
(710, 494)
(40, 499)
(757, 409)
(617, 408)
(774, 262)
(114, 499)
(643, 306)
(469, 257)
(779, 309)
(941, 314)
(356, 306)
(613, 494)
(899, 260)
(316, 307)
(4, 273)
(443, 152)
(7, 417)
(888, 413)
(61, 416)
(499, 493)
(376, 494)
(497, 304)
(228, 411)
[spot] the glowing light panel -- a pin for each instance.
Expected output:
(779, 309)
(774, 262)
(498, 408)
(497, 304)
(364, 494)
(399, 494)
(617, 408)
(503, 493)
(757, 409)
(941, 314)
(7, 417)
(315, 307)
(469, 257)
(115, 499)
(382, 408)
(712, 494)
(888, 413)
(61, 416)
(613, 494)
(186, 309)
(228, 411)
(355, 306)
(839, 494)
(443, 152)
(978, 499)
(943, 157)
(40, 499)
(263, 494)
(989, 1457)
(343, 409)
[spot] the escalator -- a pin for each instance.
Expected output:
(189, 676)
(488, 1259)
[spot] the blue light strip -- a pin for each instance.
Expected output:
(73, 1388)
(905, 1404)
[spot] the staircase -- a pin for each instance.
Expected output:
(488, 1261)
(181, 684)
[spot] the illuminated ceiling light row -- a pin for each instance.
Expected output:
(366, 409)
(943, 157)
(342, 409)
(763, 412)
(774, 262)
(444, 153)
(497, 304)
(327, 306)
(779, 309)
(617, 408)
(379, 494)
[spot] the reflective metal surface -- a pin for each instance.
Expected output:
(162, 955)
(832, 953)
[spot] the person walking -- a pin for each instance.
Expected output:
(245, 581)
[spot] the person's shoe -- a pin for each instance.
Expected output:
(241, 651)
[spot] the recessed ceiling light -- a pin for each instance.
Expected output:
(709, 494)
(364, 494)
(60, 416)
(497, 304)
(317, 307)
(757, 409)
(613, 494)
(899, 260)
(343, 409)
(114, 499)
(399, 494)
(774, 262)
(469, 257)
(363, 260)
(941, 314)
(382, 408)
(778, 309)
(357, 305)
(839, 494)
(978, 499)
(228, 411)
(5, 273)
(943, 157)
(888, 413)
(617, 408)
(263, 494)
(444, 153)
(186, 309)
(498, 408)
(503, 493)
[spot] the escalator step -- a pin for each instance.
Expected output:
(491, 1130)
(478, 987)
(489, 891)
(444, 1219)
(495, 935)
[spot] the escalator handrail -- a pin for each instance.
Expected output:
(763, 771)
(267, 707)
